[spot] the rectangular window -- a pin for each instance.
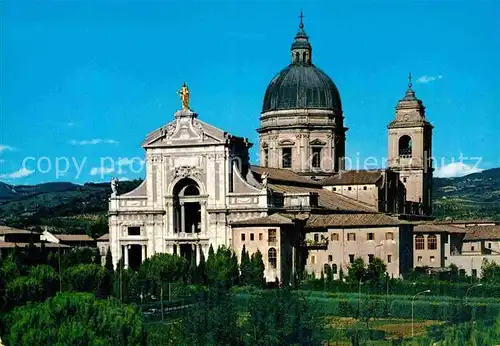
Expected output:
(334, 189)
(364, 187)
(261, 236)
(266, 157)
(271, 235)
(371, 236)
(286, 157)
(433, 259)
(472, 248)
(370, 258)
(419, 259)
(351, 258)
(313, 259)
(349, 188)
(474, 272)
(316, 237)
(134, 230)
(242, 236)
(389, 258)
(335, 237)
(251, 236)
(330, 258)
(389, 236)
(489, 245)
(316, 157)
(351, 236)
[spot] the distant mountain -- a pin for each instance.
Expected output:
(67, 207)
(13, 192)
(476, 195)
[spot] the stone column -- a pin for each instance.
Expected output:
(127, 247)
(183, 218)
(203, 222)
(143, 253)
(170, 218)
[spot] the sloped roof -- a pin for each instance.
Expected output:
(350, 220)
(434, 228)
(10, 230)
(104, 237)
(326, 199)
(482, 233)
(73, 237)
(353, 178)
(9, 245)
(273, 219)
(283, 175)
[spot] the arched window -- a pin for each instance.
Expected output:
(304, 57)
(187, 212)
(297, 57)
(326, 268)
(334, 268)
(405, 146)
(272, 257)
(432, 242)
(419, 242)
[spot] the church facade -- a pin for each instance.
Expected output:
(299, 207)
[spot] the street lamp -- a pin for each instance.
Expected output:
(467, 292)
(412, 301)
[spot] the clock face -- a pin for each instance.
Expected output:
(406, 116)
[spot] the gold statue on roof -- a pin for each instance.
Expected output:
(184, 94)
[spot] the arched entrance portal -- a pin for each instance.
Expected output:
(187, 208)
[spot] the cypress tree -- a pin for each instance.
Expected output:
(257, 270)
(235, 272)
(192, 271)
(245, 267)
(201, 270)
(109, 261)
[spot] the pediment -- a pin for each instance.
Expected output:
(184, 130)
(317, 142)
(286, 142)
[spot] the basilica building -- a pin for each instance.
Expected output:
(298, 207)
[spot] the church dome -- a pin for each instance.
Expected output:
(301, 84)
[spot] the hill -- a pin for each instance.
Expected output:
(475, 195)
(62, 207)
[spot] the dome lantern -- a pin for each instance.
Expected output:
(301, 48)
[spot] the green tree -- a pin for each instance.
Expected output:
(376, 269)
(212, 321)
(22, 290)
(162, 269)
(257, 270)
(245, 267)
(280, 317)
(192, 271)
(490, 272)
(109, 261)
(201, 275)
(84, 277)
(357, 270)
(75, 319)
(222, 268)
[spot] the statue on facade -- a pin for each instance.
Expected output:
(114, 183)
(264, 177)
(184, 94)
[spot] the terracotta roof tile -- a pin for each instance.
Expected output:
(73, 237)
(350, 220)
(274, 219)
(433, 228)
(482, 233)
(9, 230)
(353, 178)
(283, 175)
(7, 245)
(326, 199)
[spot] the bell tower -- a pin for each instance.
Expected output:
(410, 150)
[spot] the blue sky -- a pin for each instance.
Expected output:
(83, 80)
